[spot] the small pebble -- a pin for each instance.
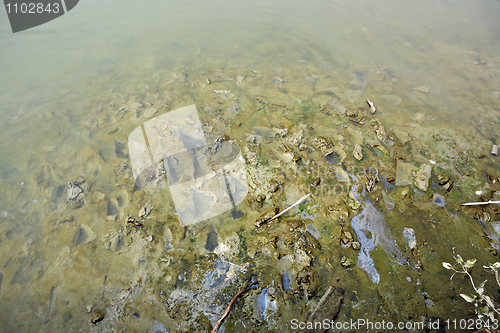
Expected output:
(408, 279)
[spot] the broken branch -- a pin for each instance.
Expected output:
(480, 203)
(292, 206)
(228, 309)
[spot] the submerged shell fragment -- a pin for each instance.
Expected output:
(372, 107)
(358, 152)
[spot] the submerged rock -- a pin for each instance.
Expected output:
(422, 177)
(230, 248)
(112, 240)
(76, 193)
(423, 89)
(309, 282)
(405, 173)
(328, 307)
(439, 199)
(212, 242)
(278, 81)
(324, 144)
(252, 158)
(97, 316)
(341, 175)
(410, 238)
(83, 235)
(149, 112)
(167, 239)
(296, 138)
(346, 262)
(393, 99)
(379, 129)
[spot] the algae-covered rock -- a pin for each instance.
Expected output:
(230, 248)
(352, 202)
(346, 262)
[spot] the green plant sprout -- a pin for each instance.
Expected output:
(483, 304)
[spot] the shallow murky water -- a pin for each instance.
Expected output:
(286, 82)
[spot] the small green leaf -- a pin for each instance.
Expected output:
(467, 298)
(484, 310)
(459, 259)
(470, 263)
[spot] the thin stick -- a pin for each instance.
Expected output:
(104, 286)
(28, 264)
(228, 309)
(480, 203)
(292, 206)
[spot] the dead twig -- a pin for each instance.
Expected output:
(228, 309)
(480, 203)
(28, 264)
(292, 206)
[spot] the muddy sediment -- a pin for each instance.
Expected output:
(384, 210)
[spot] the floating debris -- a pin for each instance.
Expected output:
(494, 150)
(134, 222)
(481, 203)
